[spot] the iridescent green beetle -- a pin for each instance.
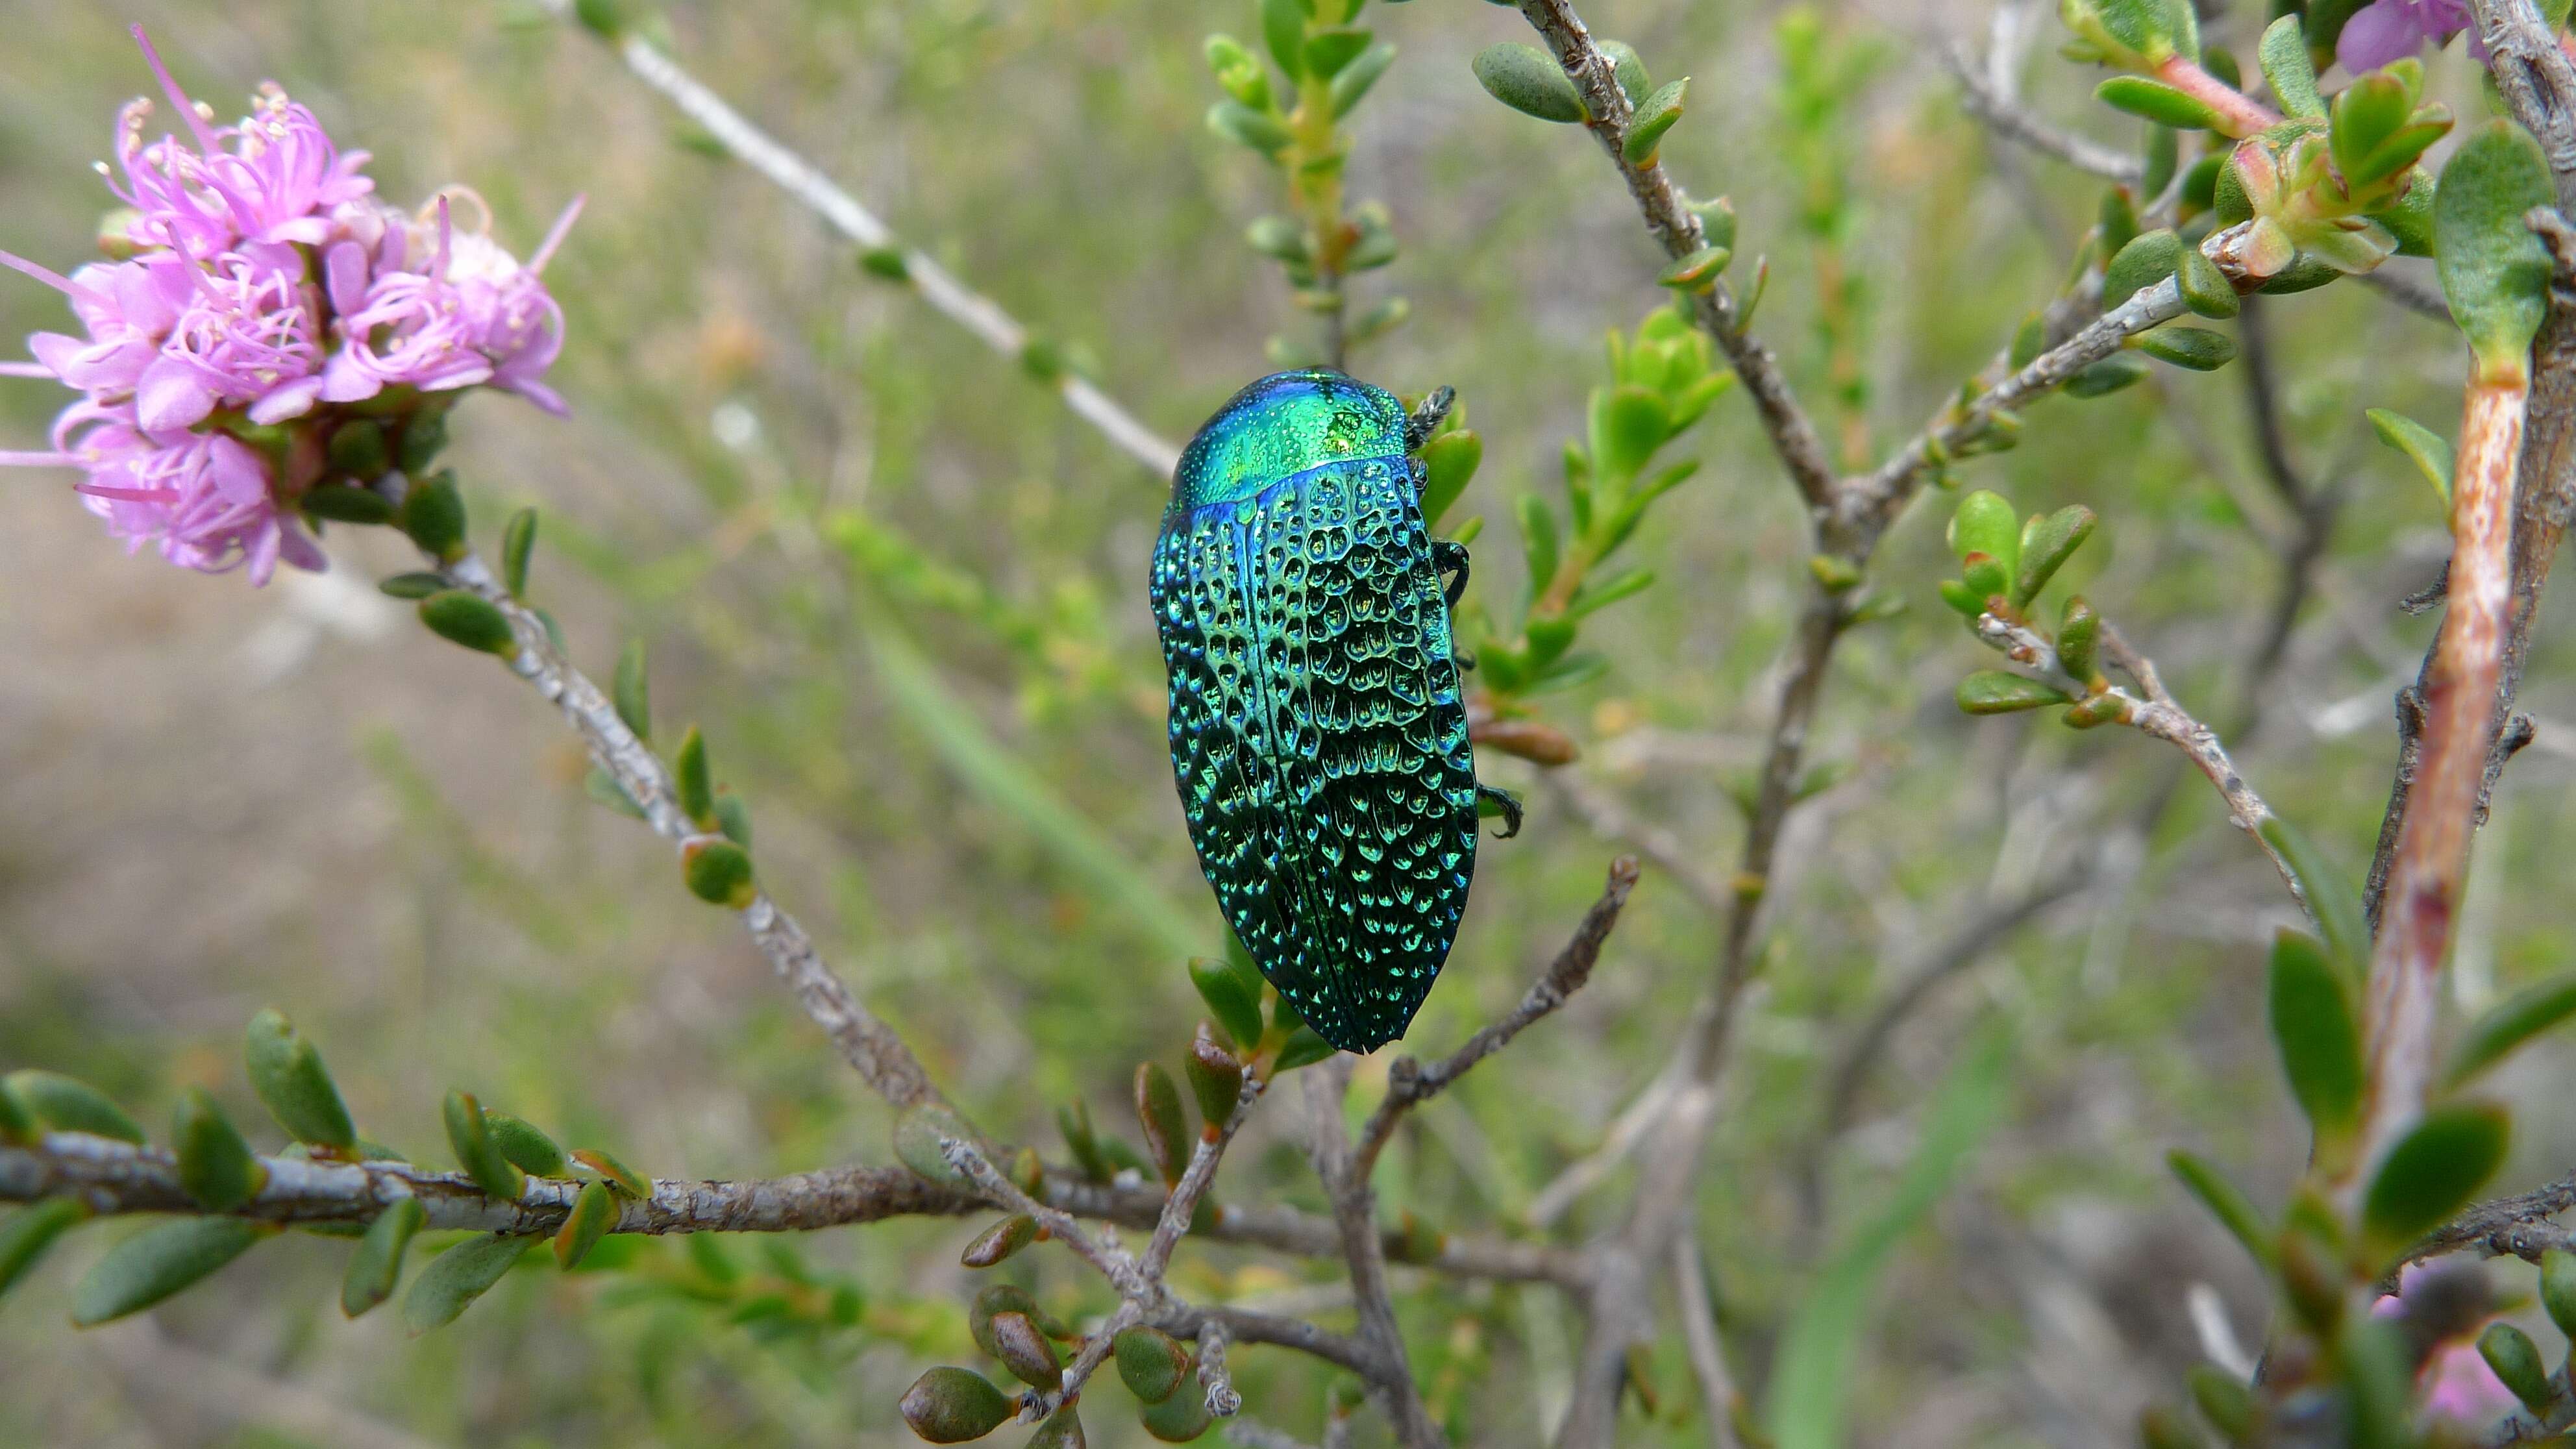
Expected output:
(1318, 734)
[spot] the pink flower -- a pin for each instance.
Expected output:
(2389, 30)
(2449, 1306)
(267, 286)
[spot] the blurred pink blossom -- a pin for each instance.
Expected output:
(2388, 30)
(259, 286)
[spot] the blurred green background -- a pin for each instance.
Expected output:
(214, 798)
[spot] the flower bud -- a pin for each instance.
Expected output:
(1151, 1363)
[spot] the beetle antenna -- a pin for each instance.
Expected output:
(1426, 418)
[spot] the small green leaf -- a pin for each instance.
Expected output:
(917, 1137)
(719, 872)
(1634, 82)
(2317, 1032)
(2431, 1173)
(412, 585)
(1283, 31)
(733, 818)
(1303, 1048)
(696, 788)
(286, 1071)
(2157, 102)
(1000, 1241)
(28, 1232)
(1073, 1121)
(1167, 1126)
(346, 503)
(2196, 349)
(1216, 1078)
(952, 1405)
(2419, 444)
(463, 617)
(518, 542)
(1528, 80)
(998, 1299)
(1329, 50)
(2224, 1401)
(1241, 124)
(433, 513)
(1178, 1419)
(886, 264)
(2284, 56)
(1151, 1363)
(2331, 895)
(2045, 546)
(1697, 272)
(2205, 289)
(593, 1213)
(2108, 376)
(2515, 1361)
(1235, 1003)
(1995, 691)
(526, 1145)
(377, 1265)
(67, 1104)
(1025, 1351)
(1353, 81)
(1984, 522)
(2226, 1201)
(215, 1165)
(471, 1139)
(358, 448)
(2145, 261)
(2078, 633)
(158, 1262)
(1653, 118)
(2494, 271)
(615, 1173)
(1449, 460)
(1062, 1430)
(2496, 1035)
(2558, 1288)
(632, 692)
(455, 1278)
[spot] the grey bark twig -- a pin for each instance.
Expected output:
(1328, 1084)
(952, 298)
(2015, 122)
(1677, 228)
(1408, 1081)
(867, 1043)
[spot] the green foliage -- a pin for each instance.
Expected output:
(455, 1278)
(215, 1165)
(286, 1071)
(67, 1104)
(2316, 1028)
(2494, 271)
(159, 1262)
(376, 1266)
(2431, 1173)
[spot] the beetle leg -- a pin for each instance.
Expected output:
(1449, 556)
(1506, 802)
(1426, 418)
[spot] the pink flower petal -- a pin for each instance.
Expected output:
(287, 400)
(172, 395)
(2378, 33)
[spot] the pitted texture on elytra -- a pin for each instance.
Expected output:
(1318, 735)
(1281, 426)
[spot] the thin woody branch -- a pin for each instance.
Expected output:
(2515, 1226)
(2014, 122)
(841, 211)
(2153, 712)
(1677, 229)
(866, 1042)
(1409, 1081)
(1328, 1084)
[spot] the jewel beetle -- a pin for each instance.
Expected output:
(1318, 732)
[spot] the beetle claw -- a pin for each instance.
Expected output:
(1506, 802)
(1426, 418)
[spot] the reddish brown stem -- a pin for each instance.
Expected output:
(2459, 704)
(2238, 116)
